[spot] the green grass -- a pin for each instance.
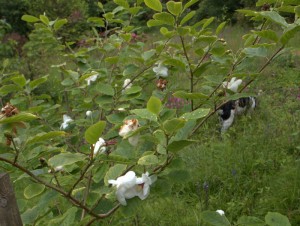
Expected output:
(250, 170)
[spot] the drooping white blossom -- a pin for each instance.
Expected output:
(56, 169)
(129, 186)
(233, 84)
(66, 120)
(92, 78)
(100, 146)
(221, 212)
(129, 126)
(160, 70)
(127, 84)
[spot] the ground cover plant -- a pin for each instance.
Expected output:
(117, 130)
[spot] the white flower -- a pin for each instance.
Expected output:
(56, 169)
(67, 119)
(160, 70)
(130, 125)
(124, 186)
(121, 109)
(100, 145)
(221, 212)
(233, 85)
(127, 84)
(92, 78)
(88, 113)
(129, 186)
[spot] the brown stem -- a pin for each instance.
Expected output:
(190, 68)
(73, 200)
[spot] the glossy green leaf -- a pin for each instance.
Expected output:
(114, 172)
(172, 125)
(167, 18)
(122, 3)
(35, 83)
(189, 4)
(174, 7)
(187, 17)
(33, 190)
(66, 158)
(196, 114)
(154, 4)
(44, 19)
(30, 19)
(148, 160)
(201, 69)
(289, 34)
(59, 23)
(133, 90)
(46, 137)
(19, 80)
(153, 23)
(214, 218)
(93, 133)
(145, 114)
(21, 117)
(154, 105)
(220, 27)
(176, 146)
(276, 219)
(208, 22)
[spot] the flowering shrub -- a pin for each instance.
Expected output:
(71, 160)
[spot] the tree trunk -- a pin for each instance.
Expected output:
(9, 212)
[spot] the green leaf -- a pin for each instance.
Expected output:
(46, 136)
(200, 70)
(30, 19)
(154, 4)
(21, 117)
(220, 27)
(33, 190)
(35, 83)
(112, 60)
(145, 114)
(174, 7)
(274, 17)
(178, 145)
(148, 54)
(122, 3)
(262, 2)
(154, 105)
(256, 52)
(148, 160)
(133, 90)
(160, 136)
(93, 133)
(6, 89)
(199, 113)
(176, 63)
(172, 125)
(106, 89)
(153, 23)
(59, 23)
(130, 69)
(208, 22)
(276, 219)
(99, 22)
(114, 172)
(66, 158)
(19, 80)
(44, 19)
(268, 34)
(289, 34)
(214, 218)
(297, 10)
(66, 219)
(191, 96)
(189, 4)
(187, 17)
(250, 221)
(167, 18)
